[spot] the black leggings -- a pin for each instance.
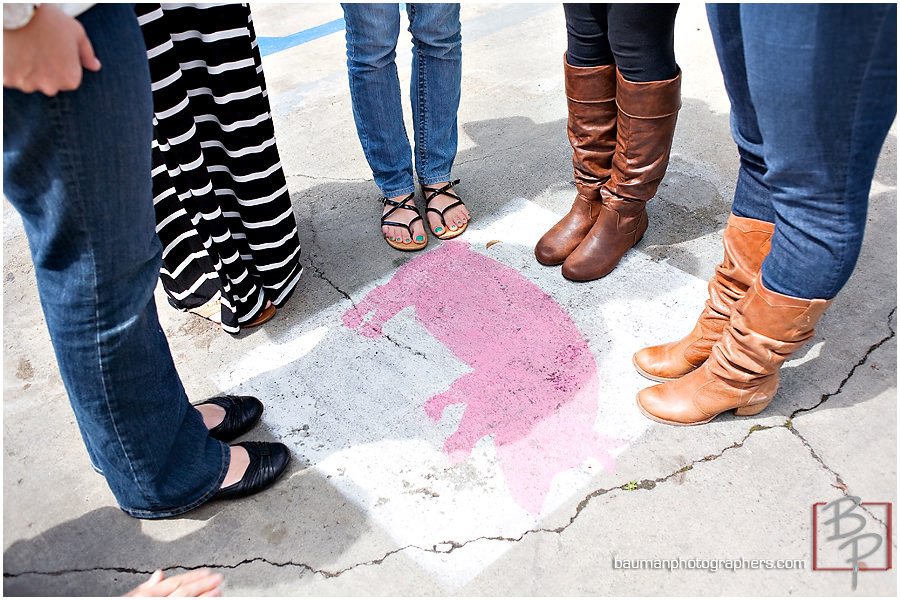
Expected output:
(638, 38)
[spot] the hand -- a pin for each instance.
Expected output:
(192, 584)
(48, 54)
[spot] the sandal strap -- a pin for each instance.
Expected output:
(397, 206)
(444, 190)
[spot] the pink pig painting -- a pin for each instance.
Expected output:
(533, 385)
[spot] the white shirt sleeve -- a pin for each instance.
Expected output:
(18, 15)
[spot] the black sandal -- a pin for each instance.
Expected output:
(411, 247)
(432, 193)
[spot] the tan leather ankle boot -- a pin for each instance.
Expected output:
(591, 98)
(741, 373)
(645, 126)
(746, 242)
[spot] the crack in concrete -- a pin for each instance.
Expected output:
(841, 485)
(862, 361)
(212, 566)
(437, 548)
(60, 573)
(645, 484)
(322, 276)
(649, 484)
(837, 477)
(402, 347)
(447, 547)
(133, 571)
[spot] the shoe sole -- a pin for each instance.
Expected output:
(406, 247)
(452, 234)
(667, 422)
(748, 411)
(266, 315)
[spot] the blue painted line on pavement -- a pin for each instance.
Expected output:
(271, 45)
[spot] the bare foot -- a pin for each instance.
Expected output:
(400, 235)
(455, 218)
(240, 460)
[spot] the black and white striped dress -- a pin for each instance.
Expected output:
(223, 211)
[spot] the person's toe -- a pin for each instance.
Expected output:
(457, 217)
(392, 233)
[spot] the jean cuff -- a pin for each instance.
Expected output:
(433, 180)
(191, 505)
(402, 192)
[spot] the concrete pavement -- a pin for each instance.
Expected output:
(409, 476)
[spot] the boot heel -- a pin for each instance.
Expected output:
(751, 409)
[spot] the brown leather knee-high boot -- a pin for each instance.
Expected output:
(591, 98)
(741, 373)
(747, 242)
(645, 127)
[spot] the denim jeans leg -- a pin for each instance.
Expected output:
(821, 141)
(77, 169)
(435, 87)
(372, 31)
(752, 197)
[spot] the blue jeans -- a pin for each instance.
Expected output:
(813, 90)
(372, 32)
(77, 169)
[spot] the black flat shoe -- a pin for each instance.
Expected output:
(241, 414)
(267, 462)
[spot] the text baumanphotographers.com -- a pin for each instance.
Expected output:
(707, 564)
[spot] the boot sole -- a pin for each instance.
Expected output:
(596, 277)
(740, 411)
(666, 422)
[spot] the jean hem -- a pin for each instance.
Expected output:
(174, 512)
(433, 180)
(402, 192)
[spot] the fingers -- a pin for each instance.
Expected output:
(143, 589)
(196, 583)
(48, 55)
(192, 584)
(155, 578)
(89, 60)
(70, 73)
